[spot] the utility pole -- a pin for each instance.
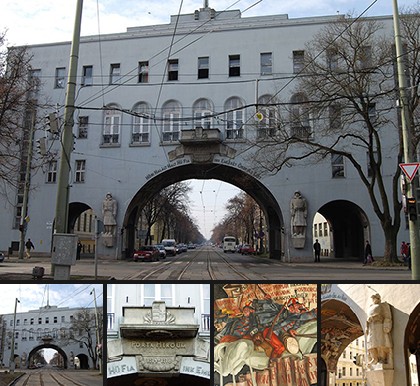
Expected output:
(23, 215)
(12, 351)
(63, 184)
(407, 145)
(98, 335)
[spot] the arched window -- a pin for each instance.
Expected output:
(234, 118)
(141, 124)
(300, 122)
(112, 125)
(268, 117)
(171, 114)
(202, 110)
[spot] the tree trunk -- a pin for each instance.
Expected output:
(390, 250)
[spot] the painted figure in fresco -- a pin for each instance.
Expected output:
(378, 331)
(109, 212)
(298, 211)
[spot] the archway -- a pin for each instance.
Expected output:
(412, 346)
(48, 345)
(234, 176)
(83, 361)
(339, 327)
(349, 226)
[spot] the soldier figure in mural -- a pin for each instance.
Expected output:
(378, 331)
(298, 211)
(109, 213)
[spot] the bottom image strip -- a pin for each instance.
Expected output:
(265, 334)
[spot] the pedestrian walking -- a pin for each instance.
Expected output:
(29, 245)
(79, 250)
(317, 250)
(409, 256)
(404, 251)
(368, 254)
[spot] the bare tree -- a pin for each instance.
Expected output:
(344, 106)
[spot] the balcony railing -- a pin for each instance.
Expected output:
(205, 322)
(110, 317)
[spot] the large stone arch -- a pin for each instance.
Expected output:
(48, 345)
(350, 228)
(226, 173)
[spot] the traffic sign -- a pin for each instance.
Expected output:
(410, 169)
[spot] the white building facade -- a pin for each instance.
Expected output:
(49, 327)
(158, 333)
(166, 103)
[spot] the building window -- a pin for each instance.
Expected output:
(171, 121)
(300, 117)
(203, 67)
(234, 65)
(55, 319)
(47, 320)
(365, 57)
(87, 78)
(298, 61)
(35, 81)
(173, 69)
(343, 371)
(17, 322)
(63, 318)
(234, 119)
(335, 116)
(141, 124)
(143, 72)
(326, 231)
(152, 292)
(115, 74)
(332, 60)
(39, 320)
(83, 127)
(266, 63)
(267, 118)
(60, 74)
(337, 165)
(32, 321)
(320, 229)
(80, 171)
(203, 110)
(111, 134)
(315, 230)
(25, 322)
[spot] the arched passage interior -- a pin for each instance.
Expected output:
(339, 327)
(234, 176)
(349, 226)
(52, 346)
(83, 360)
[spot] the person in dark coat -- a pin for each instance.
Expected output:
(317, 250)
(368, 254)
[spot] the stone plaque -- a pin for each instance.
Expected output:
(158, 347)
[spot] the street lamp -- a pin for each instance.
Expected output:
(98, 336)
(12, 352)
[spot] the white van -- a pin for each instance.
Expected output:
(169, 245)
(229, 244)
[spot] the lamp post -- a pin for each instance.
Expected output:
(12, 351)
(407, 145)
(98, 335)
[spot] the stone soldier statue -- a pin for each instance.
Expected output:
(298, 211)
(109, 212)
(378, 331)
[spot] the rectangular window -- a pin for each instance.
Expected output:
(35, 81)
(325, 229)
(298, 61)
(337, 164)
(87, 78)
(143, 72)
(365, 56)
(320, 229)
(335, 116)
(39, 320)
(115, 74)
(32, 321)
(80, 171)
(266, 63)
(55, 319)
(234, 129)
(332, 60)
(315, 230)
(83, 127)
(234, 65)
(60, 74)
(47, 320)
(171, 126)
(140, 130)
(173, 69)
(203, 67)
(112, 127)
(52, 172)
(63, 319)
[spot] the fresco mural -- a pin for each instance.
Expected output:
(265, 334)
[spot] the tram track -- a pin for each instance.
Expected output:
(208, 257)
(46, 378)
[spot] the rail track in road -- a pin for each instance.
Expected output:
(202, 264)
(47, 378)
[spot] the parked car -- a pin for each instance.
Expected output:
(247, 249)
(182, 248)
(146, 253)
(162, 250)
(1, 257)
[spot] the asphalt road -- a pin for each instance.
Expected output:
(208, 264)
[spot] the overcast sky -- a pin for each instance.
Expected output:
(43, 21)
(34, 296)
